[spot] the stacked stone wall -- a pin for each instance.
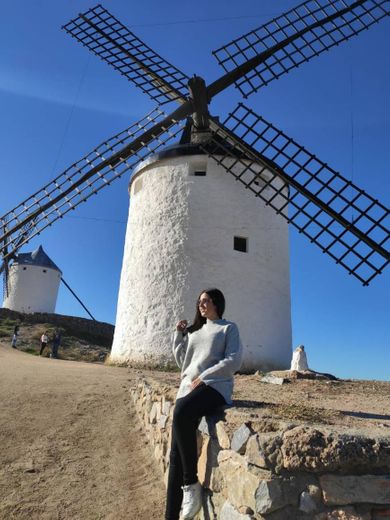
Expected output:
(274, 470)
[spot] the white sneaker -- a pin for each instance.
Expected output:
(192, 500)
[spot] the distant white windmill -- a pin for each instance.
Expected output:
(32, 283)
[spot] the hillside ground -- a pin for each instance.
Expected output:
(71, 446)
(77, 342)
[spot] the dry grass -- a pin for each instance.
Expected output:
(73, 347)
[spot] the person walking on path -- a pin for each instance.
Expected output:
(208, 352)
(15, 336)
(44, 341)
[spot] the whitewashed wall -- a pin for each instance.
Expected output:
(180, 240)
(32, 288)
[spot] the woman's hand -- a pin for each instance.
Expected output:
(181, 325)
(195, 383)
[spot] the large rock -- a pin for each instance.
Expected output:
(216, 480)
(339, 489)
(222, 435)
(254, 454)
(278, 493)
(263, 450)
(308, 449)
(240, 484)
(154, 412)
(166, 406)
(162, 421)
(269, 496)
(240, 438)
(274, 380)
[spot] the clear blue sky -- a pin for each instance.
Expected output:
(57, 102)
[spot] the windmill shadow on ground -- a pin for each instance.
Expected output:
(365, 415)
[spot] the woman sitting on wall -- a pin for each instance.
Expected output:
(208, 352)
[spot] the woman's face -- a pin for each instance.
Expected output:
(207, 308)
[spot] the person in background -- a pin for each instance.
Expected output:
(15, 336)
(44, 341)
(56, 344)
(208, 352)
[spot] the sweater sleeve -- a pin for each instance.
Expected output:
(179, 347)
(226, 368)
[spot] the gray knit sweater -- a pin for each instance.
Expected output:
(212, 353)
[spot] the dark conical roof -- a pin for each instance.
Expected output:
(37, 257)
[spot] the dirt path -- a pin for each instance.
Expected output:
(70, 444)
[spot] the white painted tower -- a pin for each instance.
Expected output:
(33, 283)
(187, 218)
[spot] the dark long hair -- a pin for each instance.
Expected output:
(218, 299)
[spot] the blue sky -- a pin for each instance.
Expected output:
(57, 102)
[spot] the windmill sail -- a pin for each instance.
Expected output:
(345, 222)
(295, 37)
(109, 39)
(106, 163)
(340, 218)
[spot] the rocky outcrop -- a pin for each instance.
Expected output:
(308, 449)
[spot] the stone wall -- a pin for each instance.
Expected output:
(274, 470)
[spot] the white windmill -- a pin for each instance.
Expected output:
(189, 228)
(32, 283)
(190, 223)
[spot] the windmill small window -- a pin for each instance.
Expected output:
(240, 244)
(199, 170)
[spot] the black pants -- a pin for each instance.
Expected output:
(183, 462)
(54, 350)
(43, 345)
